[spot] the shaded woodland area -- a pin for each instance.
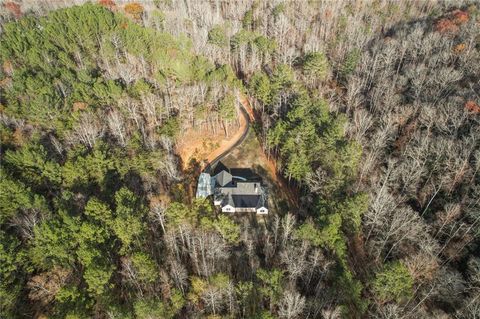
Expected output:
(370, 109)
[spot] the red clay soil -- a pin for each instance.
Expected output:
(204, 146)
(246, 105)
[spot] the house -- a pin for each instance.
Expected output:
(233, 193)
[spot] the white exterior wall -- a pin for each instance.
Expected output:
(262, 211)
(228, 209)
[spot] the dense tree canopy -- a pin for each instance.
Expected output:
(75, 200)
(368, 112)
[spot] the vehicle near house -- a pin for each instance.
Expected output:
(232, 193)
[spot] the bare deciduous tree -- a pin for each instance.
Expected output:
(292, 305)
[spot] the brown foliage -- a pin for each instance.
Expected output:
(446, 26)
(473, 107)
(44, 286)
(5, 83)
(7, 67)
(459, 48)
(18, 137)
(109, 4)
(79, 106)
(451, 23)
(134, 9)
(14, 8)
(460, 17)
(422, 267)
(405, 134)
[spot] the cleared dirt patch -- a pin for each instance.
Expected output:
(203, 145)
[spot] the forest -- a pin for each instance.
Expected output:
(370, 111)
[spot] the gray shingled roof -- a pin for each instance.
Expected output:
(231, 191)
(223, 178)
(229, 201)
(245, 201)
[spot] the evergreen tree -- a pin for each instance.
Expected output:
(393, 282)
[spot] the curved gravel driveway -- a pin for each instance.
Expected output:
(240, 140)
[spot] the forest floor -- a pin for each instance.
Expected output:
(358, 257)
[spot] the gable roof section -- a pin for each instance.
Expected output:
(230, 201)
(245, 201)
(223, 178)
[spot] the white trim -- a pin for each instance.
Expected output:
(262, 211)
(228, 209)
